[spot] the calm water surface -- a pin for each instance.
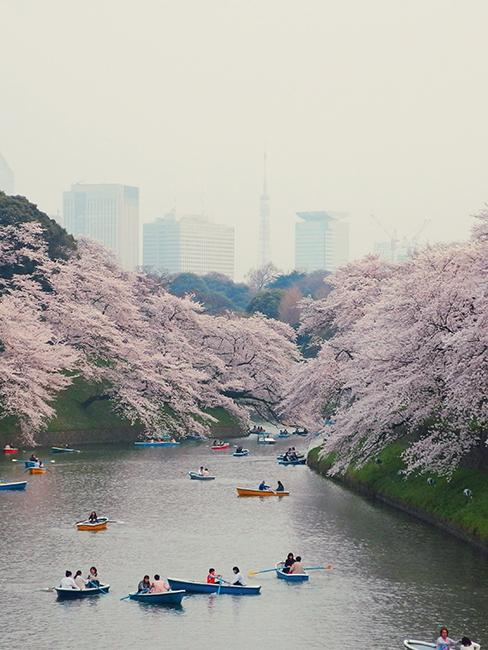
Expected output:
(393, 577)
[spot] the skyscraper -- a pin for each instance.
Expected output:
(188, 243)
(264, 245)
(7, 178)
(321, 241)
(108, 213)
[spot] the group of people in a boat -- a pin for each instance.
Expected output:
(256, 429)
(34, 459)
(91, 581)
(293, 565)
(237, 580)
(218, 443)
(203, 471)
(279, 488)
(291, 454)
(154, 586)
(444, 642)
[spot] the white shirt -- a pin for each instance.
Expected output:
(238, 578)
(472, 646)
(68, 583)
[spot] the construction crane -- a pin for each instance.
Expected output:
(409, 243)
(392, 236)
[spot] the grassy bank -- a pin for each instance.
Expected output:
(98, 422)
(442, 503)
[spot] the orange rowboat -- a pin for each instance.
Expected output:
(37, 470)
(99, 524)
(246, 492)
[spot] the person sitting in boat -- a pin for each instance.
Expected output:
(67, 582)
(297, 566)
(237, 579)
(144, 585)
(467, 644)
(444, 642)
(201, 471)
(212, 577)
(289, 562)
(280, 487)
(239, 449)
(79, 580)
(158, 586)
(206, 472)
(7, 447)
(93, 579)
(263, 486)
(33, 458)
(93, 518)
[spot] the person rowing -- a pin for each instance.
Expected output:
(144, 586)
(297, 566)
(212, 577)
(262, 486)
(239, 449)
(93, 579)
(93, 518)
(444, 642)
(158, 586)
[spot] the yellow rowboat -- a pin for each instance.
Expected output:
(99, 524)
(37, 470)
(246, 492)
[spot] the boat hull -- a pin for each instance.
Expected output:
(240, 454)
(101, 524)
(220, 447)
(300, 461)
(173, 597)
(18, 485)
(205, 588)
(10, 451)
(30, 463)
(246, 492)
(37, 470)
(197, 477)
(162, 443)
(417, 645)
(76, 594)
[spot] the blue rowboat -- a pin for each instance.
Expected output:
(244, 452)
(206, 588)
(283, 435)
(73, 594)
(299, 461)
(156, 443)
(64, 450)
(18, 485)
(195, 476)
(30, 463)
(163, 598)
(290, 577)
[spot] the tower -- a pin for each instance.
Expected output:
(7, 179)
(264, 252)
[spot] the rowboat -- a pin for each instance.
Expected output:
(247, 492)
(30, 463)
(209, 588)
(71, 594)
(244, 452)
(266, 440)
(283, 434)
(195, 476)
(64, 450)
(290, 577)
(10, 450)
(299, 456)
(224, 445)
(417, 645)
(37, 470)
(298, 461)
(173, 597)
(18, 485)
(156, 443)
(99, 524)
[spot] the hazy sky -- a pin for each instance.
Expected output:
(365, 106)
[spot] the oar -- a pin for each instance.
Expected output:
(47, 589)
(125, 597)
(307, 568)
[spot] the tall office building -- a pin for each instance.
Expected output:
(7, 178)
(321, 241)
(188, 243)
(108, 213)
(264, 244)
